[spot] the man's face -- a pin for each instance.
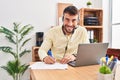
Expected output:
(69, 22)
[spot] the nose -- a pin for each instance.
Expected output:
(70, 23)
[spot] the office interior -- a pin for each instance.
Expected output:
(42, 14)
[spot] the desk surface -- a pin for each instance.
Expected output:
(72, 73)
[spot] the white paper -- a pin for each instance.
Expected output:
(42, 65)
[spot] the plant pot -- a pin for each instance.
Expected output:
(105, 76)
(89, 6)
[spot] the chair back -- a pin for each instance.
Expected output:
(113, 52)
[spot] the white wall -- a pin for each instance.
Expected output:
(42, 14)
(107, 30)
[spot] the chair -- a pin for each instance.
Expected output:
(35, 56)
(113, 51)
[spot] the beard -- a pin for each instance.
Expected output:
(69, 29)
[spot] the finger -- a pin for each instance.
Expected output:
(65, 60)
(68, 60)
(49, 60)
(62, 60)
(71, 57)
(52, 60)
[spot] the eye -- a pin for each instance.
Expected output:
(67, 19)
(74, 20)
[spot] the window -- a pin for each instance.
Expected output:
(115, 23)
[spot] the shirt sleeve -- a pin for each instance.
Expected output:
(46, 45)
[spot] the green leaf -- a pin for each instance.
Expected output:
(16, 25)
(12, 67)
(18, 33)
(7, 49)
(10, 38)
(23, 68)
(25, 42)
(89, 3)
(6, 31)
(24, 28)
(105, 70)
(24, 52)
(25, 32)
(9, 70)
(20, 39)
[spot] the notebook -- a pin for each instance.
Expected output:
(89, 54)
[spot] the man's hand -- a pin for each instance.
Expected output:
(67, 59)
(49, 60)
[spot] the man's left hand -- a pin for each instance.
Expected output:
(67, 58)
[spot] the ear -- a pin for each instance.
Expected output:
(78, 18)
(63, 18)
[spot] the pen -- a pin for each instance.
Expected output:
(113, 63)
(50, 53)
(106, 60)
(111, 58)
(103, 61)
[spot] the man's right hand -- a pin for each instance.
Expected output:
(49, 60)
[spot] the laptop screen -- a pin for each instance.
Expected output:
(90, 53)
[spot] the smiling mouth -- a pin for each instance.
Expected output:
(70, 27)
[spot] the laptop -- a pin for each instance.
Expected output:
(89, 54)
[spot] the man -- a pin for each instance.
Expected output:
(63, 40)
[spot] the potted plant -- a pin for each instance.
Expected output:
(88, 4)
(16, 36)
(105, 71)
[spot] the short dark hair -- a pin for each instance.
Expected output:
(72, 10)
